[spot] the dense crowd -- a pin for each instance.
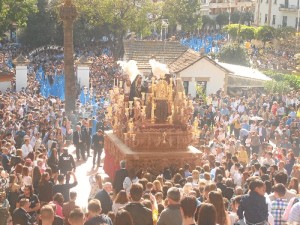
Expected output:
(249, 171)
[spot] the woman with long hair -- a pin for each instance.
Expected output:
(207, 214)
(157, 187)
(53, 159)
(123, 217)
(120, 201)
(216, 198)
(131, 179)
(45, 189)
(294, 184)
(36, 176)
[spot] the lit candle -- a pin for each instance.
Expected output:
(121, 84)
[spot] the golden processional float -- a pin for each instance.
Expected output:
(152, 130)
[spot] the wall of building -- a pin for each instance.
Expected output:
(266, 10)
(83, 76)
(203, 70)
(21, 77)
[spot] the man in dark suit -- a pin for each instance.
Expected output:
(20, 215)
(87, 136)
(104, 197)
(97, 145)
(79, 142)
(120, 175)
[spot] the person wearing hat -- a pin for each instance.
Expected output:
(171, 215)
(97, 146)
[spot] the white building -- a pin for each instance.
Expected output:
(215, 7)
(277, 13)
(212, 75)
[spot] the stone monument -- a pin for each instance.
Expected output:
(68, 14)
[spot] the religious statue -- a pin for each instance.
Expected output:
(136, 88)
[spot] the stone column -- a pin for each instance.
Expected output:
(68, 14)
(21, 72)
(83, 72)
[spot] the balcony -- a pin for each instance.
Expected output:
(288, 8)
(219, 5)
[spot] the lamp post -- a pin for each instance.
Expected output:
(68, 14)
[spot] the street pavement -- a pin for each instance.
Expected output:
(83, 171)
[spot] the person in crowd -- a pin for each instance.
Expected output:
(76, 217)
(171, 215)
(253, 206)
(21, 215)
(130, 179)
(123, 218)
(94, 214)
(215, 198)
(104, 197)
(279, 205)
(120, 201)
(96, 185)
(188, 206)
(139, 213)
(45, 189)
(79, 140)
(66, 162)
(97, 146)
(47, 215)
(282, 178)
(69, 206)
(64, 188)
(34, 201)
(207, 214)
(120, 175)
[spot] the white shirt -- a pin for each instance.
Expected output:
(26, 149)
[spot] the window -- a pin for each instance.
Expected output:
(284, 21)
(186, 87)
(286, 3)
(266, 18)
(274, 19)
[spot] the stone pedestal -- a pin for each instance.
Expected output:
(152, 161)
(83, 72)
(21, 72)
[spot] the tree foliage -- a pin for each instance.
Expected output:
(222, 19)
(50, 32)
(291, 79)
(15, 13)
(234, 54)
(265, 33)
(234, 30)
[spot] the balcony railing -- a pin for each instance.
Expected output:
(230, 5)
(288, 8)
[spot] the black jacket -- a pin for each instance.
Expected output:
(97, 141)
(139, 213)
(66, 163)
(120, 175)
(98, 220)
(21, 217)
(254, 207)
(106, 202)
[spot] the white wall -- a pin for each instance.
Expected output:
(206, 69)
(83, 75)
(291, 12)
(4, 85)
(21, 77)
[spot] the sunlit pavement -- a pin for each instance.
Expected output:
(83, 171)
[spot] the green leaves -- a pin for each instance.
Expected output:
(234, 54)
(15, 13)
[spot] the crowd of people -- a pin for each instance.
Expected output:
(249, 171)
